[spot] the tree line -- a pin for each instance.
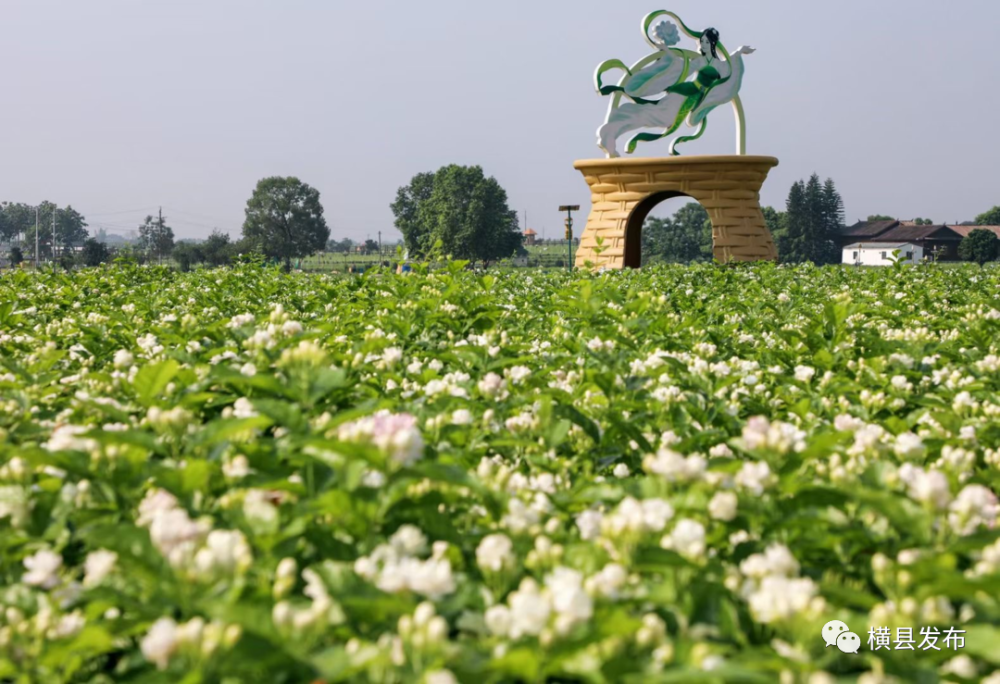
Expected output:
(456, 211)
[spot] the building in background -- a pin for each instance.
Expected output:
(530, 236)
(937, 242)
(882, 253)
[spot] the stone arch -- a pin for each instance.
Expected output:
(624, 191)
(632, 256)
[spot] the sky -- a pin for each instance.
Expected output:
(119, 107)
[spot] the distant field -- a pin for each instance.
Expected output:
(545, 256)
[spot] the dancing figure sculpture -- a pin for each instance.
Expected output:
(671, 86)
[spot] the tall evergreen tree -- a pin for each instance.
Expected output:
(791, 248)
(814, 217)
(833, 221)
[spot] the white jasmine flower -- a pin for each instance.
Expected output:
(495, 553)
(570, 602)
(804, 373)
(909, 445)
(395, 434)
(755, 477)
(589, 522)
(687, 539)
(974, 506)
(723, 506)
(42, 569)
(529, 610)
(97, 566)
(160, 643)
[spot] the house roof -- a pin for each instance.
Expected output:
(879, 245)
(868, 228)
(903, 233)
(965, 230)
(530, 232)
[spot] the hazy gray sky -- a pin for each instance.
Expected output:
(117, 107)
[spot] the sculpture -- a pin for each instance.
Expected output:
(690, 85)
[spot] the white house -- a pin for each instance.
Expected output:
(881, 253)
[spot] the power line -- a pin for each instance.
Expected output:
(201, 216)
(116, 213)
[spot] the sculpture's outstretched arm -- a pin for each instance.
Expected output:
(725, 90)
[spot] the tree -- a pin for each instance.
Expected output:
(989, 218)
(217, 249)
(684, 238)
(16, 256)
(880, 217)
(409, 200)
(923, 222)
(186, 254)
(70, 227)
(369, 247)
(814, 217)
(284, 219)
(775, 222)
(462, 209)
(979, 246)
(156, 238)
(345, 246)
(15, 219)
(94, 252)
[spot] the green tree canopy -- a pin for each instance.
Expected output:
(216, 250)
(684, 238)
(880, 217)
(979, 246)
(775, 221)
(284, 219)
(95, 252)
(186, 254)
(460, 207)
(16, 219)
(989, 218)
(344, 246)
(156, 238)
(70, 226)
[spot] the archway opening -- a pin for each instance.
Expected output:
(686, 240)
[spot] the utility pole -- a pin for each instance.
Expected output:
(159, 237)
(36, 238)
(569, 209)
(380, 248)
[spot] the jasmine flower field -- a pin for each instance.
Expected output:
(676, 474)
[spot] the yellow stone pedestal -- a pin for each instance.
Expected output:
(623, 191)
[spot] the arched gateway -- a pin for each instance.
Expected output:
(623, 191)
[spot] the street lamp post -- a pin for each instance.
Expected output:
(569, 209)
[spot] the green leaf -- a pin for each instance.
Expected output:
(151, 379)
